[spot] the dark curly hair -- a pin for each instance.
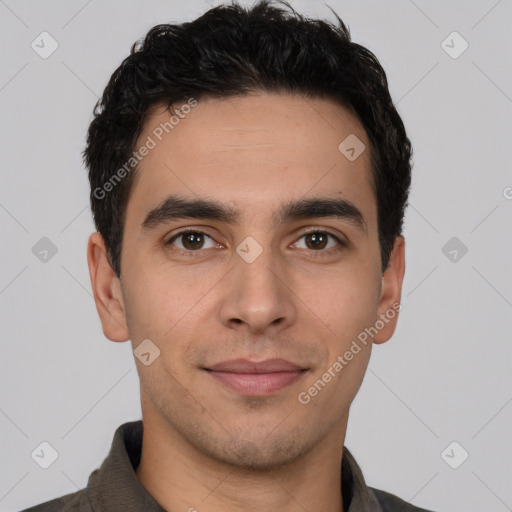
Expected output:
(232, 50)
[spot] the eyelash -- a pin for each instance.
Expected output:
(316, 254)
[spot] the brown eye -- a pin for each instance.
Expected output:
(191, 240)
(316, 240)
(321, 241)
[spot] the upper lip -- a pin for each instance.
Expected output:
(247, 366)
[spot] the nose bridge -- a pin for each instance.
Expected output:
(257, 295)
(255, 263)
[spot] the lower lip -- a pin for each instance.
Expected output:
(256, 384)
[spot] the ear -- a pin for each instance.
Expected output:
(107, 290)
(391, 291)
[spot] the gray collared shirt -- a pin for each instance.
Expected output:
(114, 486)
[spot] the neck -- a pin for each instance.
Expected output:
(180, 478)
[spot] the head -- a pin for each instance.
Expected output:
(234, 126)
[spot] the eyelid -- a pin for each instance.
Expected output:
(327, 231)
(307, 231)
(319, 229)
(186, 231)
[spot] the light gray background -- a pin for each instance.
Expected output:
(445, 375)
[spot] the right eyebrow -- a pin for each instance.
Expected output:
(175, 207)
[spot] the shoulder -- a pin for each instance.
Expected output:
(391, 503)
(73, 502)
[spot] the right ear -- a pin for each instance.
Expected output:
(107, 290)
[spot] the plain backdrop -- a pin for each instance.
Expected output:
(444, 377)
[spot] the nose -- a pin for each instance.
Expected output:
(258, 295)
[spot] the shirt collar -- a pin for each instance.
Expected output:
(115, 486)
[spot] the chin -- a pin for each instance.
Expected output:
(259, 454)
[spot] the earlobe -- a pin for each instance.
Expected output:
(391, 292)
(107, 290)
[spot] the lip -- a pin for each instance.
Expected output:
(256, 378)
(247, 366)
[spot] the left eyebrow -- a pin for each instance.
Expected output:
(176, 207)
(322, 207)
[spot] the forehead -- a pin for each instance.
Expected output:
(253, 152)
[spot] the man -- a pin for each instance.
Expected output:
(249, 175)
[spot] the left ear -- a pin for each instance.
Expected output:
(391, 292)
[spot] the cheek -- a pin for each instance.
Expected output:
(160, 301)
(345, 301)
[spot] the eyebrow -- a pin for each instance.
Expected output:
(176, 207)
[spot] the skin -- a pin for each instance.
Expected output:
(206, 446)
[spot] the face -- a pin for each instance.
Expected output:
(281, 262)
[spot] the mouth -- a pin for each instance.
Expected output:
(251, 378)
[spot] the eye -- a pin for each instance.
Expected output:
(191, 240)
(318, 240)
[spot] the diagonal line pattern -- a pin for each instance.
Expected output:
(506, 505)
(14, 76)
(485, 15)
(318, 113)
(111, 388)
(369, 369)
(424, 218)
(16, 425)
(75, 15)
(13, 279)
(492, 81)
(217, 486)
(493, 287)
(424, 14)
(177, 177)
(13, 13)
(5, 495)
(417, 83)
(74, 218)
(80, 79)
(412, 497)
(492, 418)
(14, 218)
(289, 494)
(492, 211)
(77, 281)
(281, 422)
(422, 280)
(77, 487)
